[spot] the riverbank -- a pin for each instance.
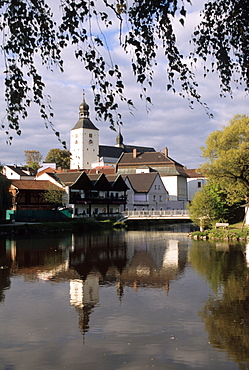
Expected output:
(22, 228)
(232, 232)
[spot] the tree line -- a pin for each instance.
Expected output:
(61, 157)
(227, 170)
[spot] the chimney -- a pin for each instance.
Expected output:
(134, 153)
(166, 152)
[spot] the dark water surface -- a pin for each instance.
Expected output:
(123, 300)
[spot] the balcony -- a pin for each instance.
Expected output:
(76, 198)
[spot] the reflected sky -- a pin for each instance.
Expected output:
(120, 300)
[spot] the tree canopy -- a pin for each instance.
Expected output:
(209, 205)
(227, 154)
(54, 196)
(60, 157)
(32, 33)
(33, 159)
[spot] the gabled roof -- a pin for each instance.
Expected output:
(21, 170)
(68, 178)
(34, 185)
(117, 182)
(156, 160)
(82, 182)
(46, 170)
(194, 173)
(100, 182)
(141, 182)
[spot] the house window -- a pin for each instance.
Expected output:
(155, 187)
(90, 135)
(159, 187)
(154, 198)
(160, 198)
(199, 184)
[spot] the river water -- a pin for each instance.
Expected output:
(123, 300)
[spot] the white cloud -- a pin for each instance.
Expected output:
(170, 122)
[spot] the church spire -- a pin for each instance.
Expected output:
(84, 108)
(119, 140)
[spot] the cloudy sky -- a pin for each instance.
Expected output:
(170, 122)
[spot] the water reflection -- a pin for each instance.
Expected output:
(225, 315)
(90, 260)
(137, 286)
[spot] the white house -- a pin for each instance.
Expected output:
(146, 192)
(172, 173)
(195, 182)
(18, 173)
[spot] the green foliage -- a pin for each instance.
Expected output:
(32, 34)
(5, 197)
(60, 157)
(54, 196)
(227, 157)
(33, 159)
(209, 205)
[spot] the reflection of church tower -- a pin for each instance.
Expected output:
(171, 255)
(84, 295)
(84, 140)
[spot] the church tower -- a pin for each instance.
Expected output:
(119, 140)
(84, 140)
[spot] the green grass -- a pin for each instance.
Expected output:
(233, 232)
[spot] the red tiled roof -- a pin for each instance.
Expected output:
(147, 158)
(193, 172)
(47, 169)
(34, 185)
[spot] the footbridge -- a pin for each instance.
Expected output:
(169, 214)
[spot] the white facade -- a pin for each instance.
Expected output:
(17, 173)
(84, 146)
(194, 185)
(84, 141)
(155, 197)
(176, 186)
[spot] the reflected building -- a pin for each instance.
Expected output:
(121, 259)
(155, 266)
(84, 295)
